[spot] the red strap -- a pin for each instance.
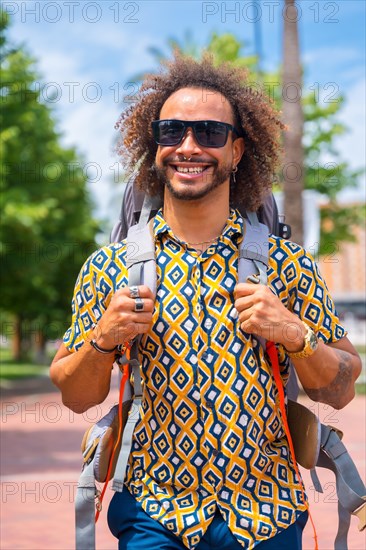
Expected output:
(126, 373)
(273, 355)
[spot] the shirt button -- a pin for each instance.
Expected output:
(210, 404)
(215, 452)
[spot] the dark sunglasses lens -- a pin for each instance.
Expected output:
(169, 132)
(211, 134)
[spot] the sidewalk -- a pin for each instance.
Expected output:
(41, 458)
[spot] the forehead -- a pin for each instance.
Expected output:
(197, 104)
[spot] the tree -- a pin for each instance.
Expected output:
(47, 224)
(293, 178)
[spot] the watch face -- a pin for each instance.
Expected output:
(310, 345)
(313, 340)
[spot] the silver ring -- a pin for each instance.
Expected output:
(139, 304)
(134, 292)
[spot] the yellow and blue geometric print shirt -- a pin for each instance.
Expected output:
(209, 433)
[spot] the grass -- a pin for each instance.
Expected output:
(14, 370)
(21, 370)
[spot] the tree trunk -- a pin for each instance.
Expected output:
(293, 168)
(17, 339)
(40, 348)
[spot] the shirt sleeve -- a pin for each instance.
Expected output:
(101, 275)
(295, 277)
(308, 295)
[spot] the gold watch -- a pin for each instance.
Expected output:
(310, 345)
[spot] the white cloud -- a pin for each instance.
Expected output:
(58, 66)
(90, 127)
(334, 56)
(352, 145)
(85, 114)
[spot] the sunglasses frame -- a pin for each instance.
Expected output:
(191, 124)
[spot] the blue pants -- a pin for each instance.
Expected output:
(136, 530)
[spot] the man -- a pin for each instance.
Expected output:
(209, 465)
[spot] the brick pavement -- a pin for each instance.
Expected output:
(40, 462)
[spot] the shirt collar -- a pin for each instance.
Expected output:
(232, 230)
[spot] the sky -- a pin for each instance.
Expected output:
(89, 54)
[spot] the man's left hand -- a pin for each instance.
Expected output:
(261, 312)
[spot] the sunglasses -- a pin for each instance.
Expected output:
(207, 133)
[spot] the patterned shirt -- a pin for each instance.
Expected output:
(209, 433)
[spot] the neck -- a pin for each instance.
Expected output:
(197, 221)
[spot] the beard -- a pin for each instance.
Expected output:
(220, 176)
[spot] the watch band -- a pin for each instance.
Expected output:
(310, 345)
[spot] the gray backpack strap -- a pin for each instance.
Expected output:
(253, 255)
(141, 265)
(253, 252)
(86, 493)
(120, 471)
(140, 252)
(119, 229)
(344, 522)
(351, 491)
(140, 256)
(132, 200)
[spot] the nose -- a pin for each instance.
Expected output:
(188, 146)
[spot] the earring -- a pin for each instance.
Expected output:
(234, 171)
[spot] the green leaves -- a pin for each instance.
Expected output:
(46, 229)
(339, 223)
(226, 47)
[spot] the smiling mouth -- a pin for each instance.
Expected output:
(191, 169)
(194, 169)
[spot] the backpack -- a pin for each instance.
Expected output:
(133, 198)
(322, 445)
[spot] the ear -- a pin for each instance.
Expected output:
(238, 150)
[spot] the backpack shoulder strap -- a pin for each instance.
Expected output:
(121, 465)
(140, 251)
(132, 204)
(120, 228)
(253, 251)
(141, 265)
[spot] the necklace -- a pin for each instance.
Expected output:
(203, 242)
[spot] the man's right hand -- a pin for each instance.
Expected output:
(120, 322)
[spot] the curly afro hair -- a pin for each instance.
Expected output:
(253, 112)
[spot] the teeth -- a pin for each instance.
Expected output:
(193, 170)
